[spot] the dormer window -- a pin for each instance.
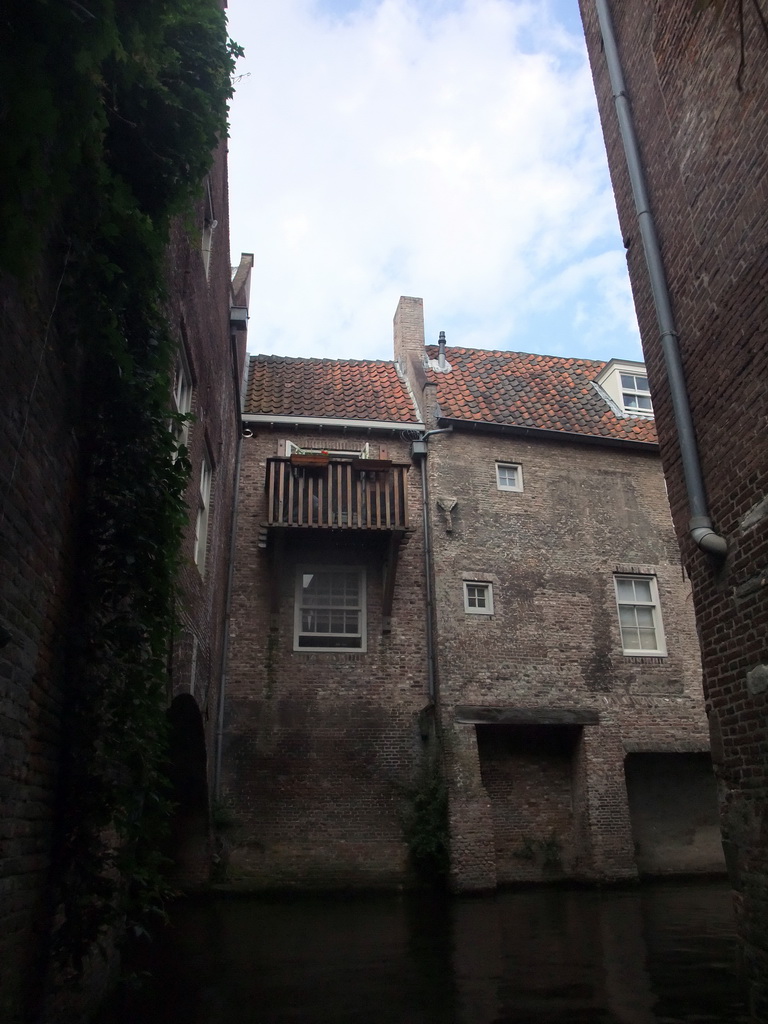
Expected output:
(635, 394)
(623, 384)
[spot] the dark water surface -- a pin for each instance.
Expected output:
(659, 953)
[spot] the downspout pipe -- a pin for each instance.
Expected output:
(430, 601)
(700, 523)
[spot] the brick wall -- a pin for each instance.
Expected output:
(527, 772)
(553, 641)
(470, 813)
(321, 748)
(199, 308)
(38, 459)
(39, 505)
(703, 140)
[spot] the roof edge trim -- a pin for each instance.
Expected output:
(543, 433)
(319, 421)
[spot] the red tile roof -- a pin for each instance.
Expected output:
(349, 389)
(508, 388)
(518, 389)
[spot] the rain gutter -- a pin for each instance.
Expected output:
(317, 421)
(543, 434)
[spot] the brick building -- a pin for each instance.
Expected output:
(692, 95)
(209, 309)
(530, 619)
(326, 673)
(41, 466)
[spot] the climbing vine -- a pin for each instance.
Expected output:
(111, 110)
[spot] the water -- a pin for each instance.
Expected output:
(660, 953)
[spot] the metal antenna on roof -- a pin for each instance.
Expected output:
(441, 350)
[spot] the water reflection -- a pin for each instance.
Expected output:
(663, 953)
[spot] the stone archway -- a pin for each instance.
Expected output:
(190, 835)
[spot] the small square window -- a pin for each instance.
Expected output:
(478, 598)
(330, 609)
(636, 395)
(637, 599)
(509, 476)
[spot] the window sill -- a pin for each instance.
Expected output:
(344, 652)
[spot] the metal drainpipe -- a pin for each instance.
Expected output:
(431, 674)
(700, 523)
(230, 577)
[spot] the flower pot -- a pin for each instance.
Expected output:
(314, 459)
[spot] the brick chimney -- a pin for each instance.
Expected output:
(409, 332)
(409, 355)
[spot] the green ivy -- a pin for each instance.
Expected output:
(426, 825)
(110, 111)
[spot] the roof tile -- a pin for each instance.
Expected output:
(526, 390)
(508, 388)
(355, 389)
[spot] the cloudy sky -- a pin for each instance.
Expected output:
(448, 149)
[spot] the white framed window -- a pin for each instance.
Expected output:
(209, 226)
(207, 244)
(478, 598)
(330, 609)
(182, 397)
(635, 394)
(623, 384)
(509, 476)
(203, 511)
(637, 600)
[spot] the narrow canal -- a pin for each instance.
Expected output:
(660, 953)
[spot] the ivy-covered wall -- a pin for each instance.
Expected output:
(111, 112)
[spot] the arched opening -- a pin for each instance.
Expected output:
(190, 837)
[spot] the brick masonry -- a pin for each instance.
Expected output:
(39, 456)
(321, 748)
(40, 500)
(553, 642)
(200, 312)
(704, 140)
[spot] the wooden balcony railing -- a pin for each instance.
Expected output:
(342, 494)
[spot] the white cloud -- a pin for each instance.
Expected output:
(447, 150)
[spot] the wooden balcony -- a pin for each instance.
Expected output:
(344, 494)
